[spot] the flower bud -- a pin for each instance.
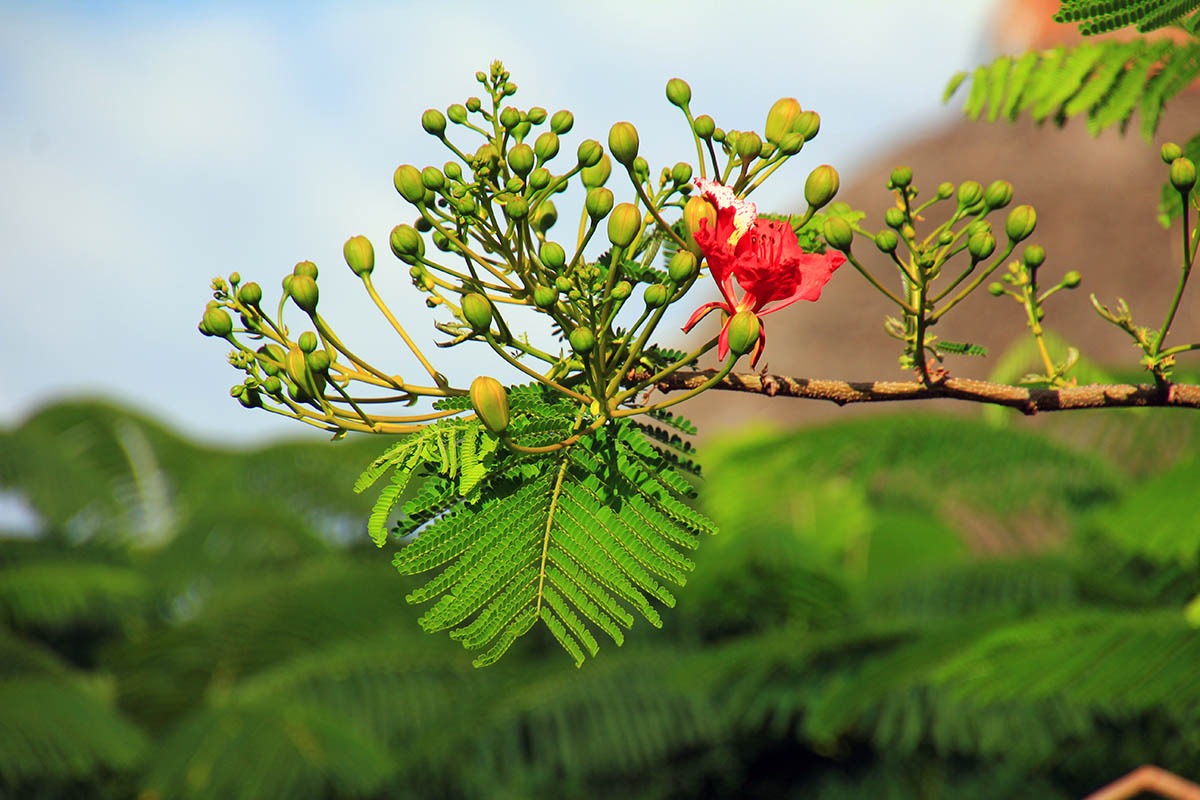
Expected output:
(808, 124)
(704, 126)
(552, 255)
(624, 224)
(434, 122)
(1021, 222)
(544, 216)
(623, 143)
(945, 190)
(791, 143)
(838, 233)
(681, 172)
(546, 146)
(748, 146)
(457, 113)
(682, 266)
(597, 174)
(305, 268)
(1183, 174)
(477, 311)
(297, 370)
(678, 92)
(977, 226)
(969, 193)
(562, 122)
(359, 255)
(743, 332)
(655, 295)
(271, 358)
(216, 322)
(1169, 152)
(537, 115)
(520, 159)
(473, 104)
(589, 153)
(887, 241)
(1034, 256)
(307, 342)
(250, 294)
(545, 297)
(998, 194)
(303, 290)
(563, 283)
(781, 119)
(901, 177)
(1072, 279)
(272, 385)
(945, 237)
(433, 179)
(641, 169)
(995, 289)
(981, 245)
(407, 245)
(408, 183)
(510, 118)
(893, 218)
(582, 340)
(489, 398)
(622, 290)
(695, 210)
(821, 186)
(598, 203)
(318, 361)
(516, 208)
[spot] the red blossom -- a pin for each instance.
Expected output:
(762, 257)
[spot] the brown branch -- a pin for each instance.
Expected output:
(1148, 778)
(1028, 401)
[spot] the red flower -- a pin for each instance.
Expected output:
(761, 257)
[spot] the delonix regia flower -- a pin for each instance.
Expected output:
(761, 257)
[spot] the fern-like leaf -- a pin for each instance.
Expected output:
(1103, 16)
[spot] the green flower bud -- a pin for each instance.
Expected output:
(622, 290)
(510, 118)
(977, 226)
(808, 124)
(305, 268)
(432, 178)
(546, 146)
(1021, 222)
(838, 233)
(893, 218)
(969, 193)
(474, 104)
(441, 242)
(359, 255)
(998, 194)
(1183, 174)
(477, 311)
(1072, 279)
(981, 245)
(545, 297)
(695, 210)
(536, 115)
(1169, 152)
(748, 146)
(272, 385)
(552, 255)
(237, 389)
(744, 331)
(582, 340)
(821, 186)
(1034, 256)
(318, 361)
(656, 295)
(589, 153)
(457, 113)
(544, 216)
(597, 174)
(623, 143)
(704, 126)
(216, 322)
(516, 208)
(539, 179)
(678, 92)
(901, 177)
(271, 358)
(945, 237)
(598, 203)
(408, 183)
(641, 169)
(304, 292)
(945, 190)
(781, 119)
(682, 266)
(307, 341)
(434, 122)
(624, 224)
(562, 122)
(452, 170)
(791, 143)
(520, 159)
(407, 245)
(250, 294)
(995, 289)
(489, 398)
(514, 185)
(562, 283)
(681, 172)
(886, 241)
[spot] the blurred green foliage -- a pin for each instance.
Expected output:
(899, 606)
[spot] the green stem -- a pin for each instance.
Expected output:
(1183, 278)
(708, 384)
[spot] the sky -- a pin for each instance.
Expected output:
(146, 147)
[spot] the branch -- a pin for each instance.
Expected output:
(1027, 401)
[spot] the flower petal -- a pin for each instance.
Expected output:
(701, 312)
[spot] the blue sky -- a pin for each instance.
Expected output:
(147, 147)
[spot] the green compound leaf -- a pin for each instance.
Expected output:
(1102, 16)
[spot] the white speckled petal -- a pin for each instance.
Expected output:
(745, 213)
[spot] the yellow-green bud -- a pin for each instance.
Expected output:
(969, 193)
(546, 146)
(517, 208)
(696, 209)
(250, 294)
(681, 172)
(544, 216)
(489, 398)
(622, 290)
(893, 218)
(457, 113)
(432, 178)
(901, 177)
(682, 266)
(477, 311)
(589, 153)
(552, 255)
(1169, 152)
(838, 233)
(749, 145)
(886, 241)
(537, 115)
(318, 361)
(452, 170)
(272, 385)
(582, 340)
(305, 268)
(624, 224)
(998, 194)
(623, 143)
(359, 255)
(303, 290)
(1183, 174)
(216, 322)
(307, 341)
(821, 186)
(598, 203)
(1034, 256)
(408, 183)
(995, 289)
(562, 122)
(563, 283)
(597, 174)
(981, 245)
(808, 124)
(539, 179)
(945, 190)
(1072, 279)
(510, 118)
(655, 295)
(704, 126)
(434, 122)
(678, 92)
(271, 358)
(1021, 222)
(474, 103)
(520, 159)
(744, 331)
(545, 297)
(791, 143)
(641, 169)
(781, 119)
(406, 243)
